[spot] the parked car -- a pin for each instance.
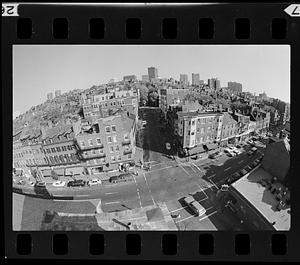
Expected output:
(250, 153)
(21, 182)
(76, 183)
(236, 175)
(59, 183)
(238, 146)
(40, 184)
(236, 151)
(254, 164)
(94, 182)
(257, 161)
(214, 155)
(120, 178)
(31, 183)
(229, 152)
(248, 168)
(244, 172)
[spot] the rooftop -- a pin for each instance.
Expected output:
(197, 114)
(262, 198)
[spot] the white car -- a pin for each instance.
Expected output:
(168, 146)
(31, 183)
(236, 150)
(94, 182)
(229, 152)
(59, 183)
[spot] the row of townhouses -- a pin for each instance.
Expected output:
(100, 141)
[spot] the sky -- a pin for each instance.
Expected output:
(39, 69)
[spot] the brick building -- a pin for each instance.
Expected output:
(108, 143)
(196, 129)
(228, 129)
(59, 147)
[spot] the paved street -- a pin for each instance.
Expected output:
(168, 181)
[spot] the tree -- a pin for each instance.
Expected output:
(54, 175)
(153, 99)
(143, 94)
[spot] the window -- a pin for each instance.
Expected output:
(109, 139)
(115, 139)
(98, 140)
(129, 155)
(101, 151)
(119, 157)
(107, 129)
(67, 158)
(193, 133)
(58, 149)
(53, 150)
(113, 158)
(111, 148)
(91, 142)
(93, 152)
(126, 137)
(193, 122)
(64, 148)
(117, 148)
(113, 128)
(81, 143)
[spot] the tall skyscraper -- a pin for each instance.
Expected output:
(152, 73)
(184, 79)
(57, 93)
(235, 87)
(50, 96)
(195, 79)
(214, 83)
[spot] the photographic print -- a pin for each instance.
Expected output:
(151, 137)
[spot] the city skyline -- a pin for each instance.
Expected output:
(260, 68)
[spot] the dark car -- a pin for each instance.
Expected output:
(248, 168)
(254, 164)
(250, 153)
(236, 175)
(76, 183)
(120, 178)
(214, 155)
(40, 184)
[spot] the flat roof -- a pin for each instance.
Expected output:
(262, 199)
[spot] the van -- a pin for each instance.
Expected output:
(198, 209)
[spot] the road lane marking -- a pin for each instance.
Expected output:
(202, 190)
(149, 188)
(212, 182)
(154, 170)
(107, 193)
(207, 216)
(185, 219)
(241, 162)
(111, 202)
(83, 195)
(200, 169)
(137, 191)
(184, 169)
(227, 168)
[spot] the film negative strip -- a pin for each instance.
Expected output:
(128, 158)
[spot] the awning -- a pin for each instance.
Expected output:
(196, 150)
(74, 170)
(59, 171)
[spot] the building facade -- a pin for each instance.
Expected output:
(195, 79)
(107, 143)
(184, 79)
(197, 129)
